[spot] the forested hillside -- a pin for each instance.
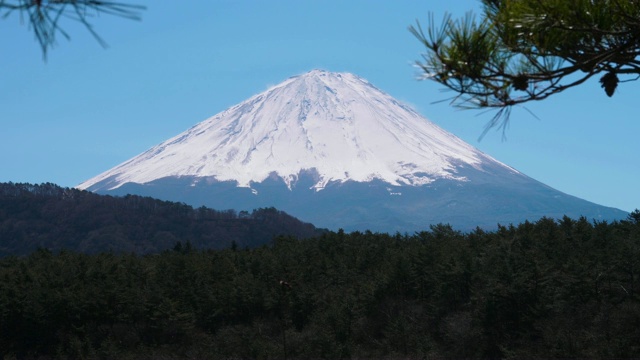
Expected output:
(51, 217)
(549, 289)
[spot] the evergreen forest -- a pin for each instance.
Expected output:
(48, 216)
(553, 288)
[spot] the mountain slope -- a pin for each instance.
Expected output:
(55, 218)
(332, 149)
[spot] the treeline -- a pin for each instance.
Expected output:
(549, 289)
(51, 217)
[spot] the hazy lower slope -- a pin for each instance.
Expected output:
(378, 206)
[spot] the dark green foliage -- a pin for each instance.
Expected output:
(549, 289)
(527, 50)
(43, 16)
(55, 218)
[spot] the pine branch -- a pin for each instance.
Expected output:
(528, 50)
(44, 16)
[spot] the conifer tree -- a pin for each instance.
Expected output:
(43, 16)
(520, 51)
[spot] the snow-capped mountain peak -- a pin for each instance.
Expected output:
(332, 149)
(336, 125)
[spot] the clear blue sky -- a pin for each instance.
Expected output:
(88, 109)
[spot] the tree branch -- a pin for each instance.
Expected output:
(44, 16)
(523, 51)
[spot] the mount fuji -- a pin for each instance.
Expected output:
(333, 150)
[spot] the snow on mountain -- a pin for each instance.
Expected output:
(333, 150)
(337, 125)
